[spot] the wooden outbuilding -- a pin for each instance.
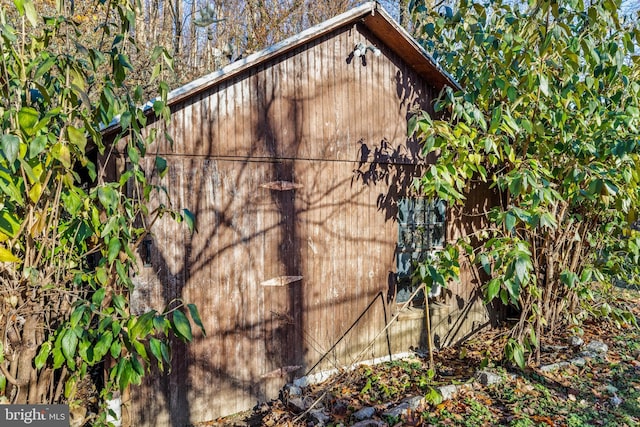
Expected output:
(297, 165)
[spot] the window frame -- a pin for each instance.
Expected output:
(418, 219)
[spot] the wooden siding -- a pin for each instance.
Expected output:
(336, 128)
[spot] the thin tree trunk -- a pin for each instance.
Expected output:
(405, 13)
(153, 7)
(176, 17)
(25, 375)
(141, 30)
(193, 41)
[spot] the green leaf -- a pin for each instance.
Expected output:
(504, 296)
(77, 315)
(493, 289)
(496, 118)
(586, 275)
(512, 94)
(28, 119)
(31, 13)
(161, 166)
(10, 189)
(43, 355)
(134, 154)
(533, 338)
(108, 197)
(7, 256)
(69, 344)
(518, 355)
(156, 349)
(484, 363)
(114, 249)
(86, 350)
(37, 145)
(161, 324)
(10, 147)
(142, 325)
(103, 345)
(193, 310)
(110, 227)
(105, 324)
(116, 349)
(44, 67)
(77, 137)
(547, 220)
(70, 386)
(485, 262)
(510, 221)
(544, 85)
(20, 5)
(521, 268)
(61, 153)
(515, 186)
(158, 107)
(9, 223)
(138, 369)
(120, 303)
(190, 220)
(58, 358)
(124, 61)
(102, 277)
(433, 396)
(611, 188)
(125, 373)
(367, 386)
(91, 170)
(510, 122)
(513, 291)
(412, 125)
(569, 278)
(181, 325)
(123, 273)
(166, 352)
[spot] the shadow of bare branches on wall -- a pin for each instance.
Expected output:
(288, 178)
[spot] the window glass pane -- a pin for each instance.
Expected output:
(437, 235)
(422, 237)
(403, 211)
(421, 228)
(431, 216)
(420, 211)
(440, 208)
(406, 238)
(404, 265)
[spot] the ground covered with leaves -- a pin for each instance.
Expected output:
(603, 392)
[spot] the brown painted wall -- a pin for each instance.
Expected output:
(335, 127)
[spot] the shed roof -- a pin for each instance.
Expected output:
(371, 14)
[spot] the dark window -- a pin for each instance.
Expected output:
(421, 230)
